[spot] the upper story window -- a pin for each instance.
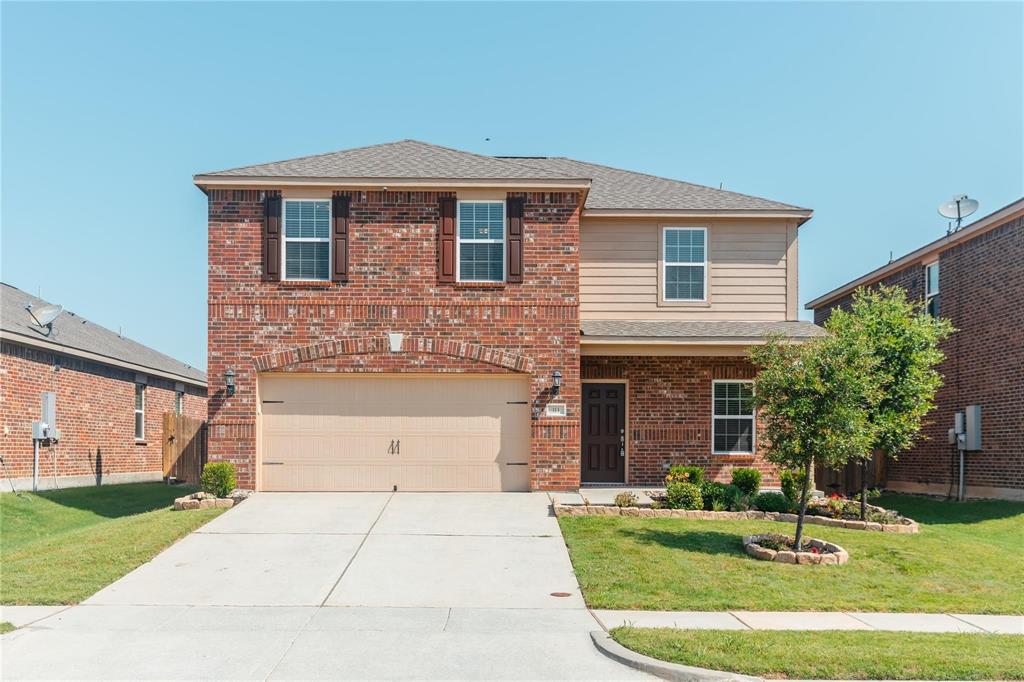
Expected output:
(140, 412)
(481, 243)
(685, 263)
(307, 239)
(931, 288)
(732, 420)
(179, 402)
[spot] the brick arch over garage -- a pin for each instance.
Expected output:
(380, 344)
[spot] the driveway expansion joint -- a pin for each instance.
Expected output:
(356, 553)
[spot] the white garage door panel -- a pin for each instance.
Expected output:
(336, 432)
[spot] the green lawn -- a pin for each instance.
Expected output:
(60, 547)
(6, 627)
(968, 558)
(834, 655)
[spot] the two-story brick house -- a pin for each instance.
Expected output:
(406, 316)
(975, 277)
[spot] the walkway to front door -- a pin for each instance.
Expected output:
(337, 586)
(603, 450)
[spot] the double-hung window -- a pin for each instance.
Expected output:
(140, 412)
(931, 288)
(684, 255)
(179, 402)
(307, 239)
(481, 243)
(732, 427)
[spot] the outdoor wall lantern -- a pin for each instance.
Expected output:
(556, 382)
(229, 381)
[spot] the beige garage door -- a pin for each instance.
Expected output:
(417, 432)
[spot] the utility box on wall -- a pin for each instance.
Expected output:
(972, 427)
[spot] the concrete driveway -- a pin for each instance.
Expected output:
(337, 586)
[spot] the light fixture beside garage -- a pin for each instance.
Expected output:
(229, 381)
(556, 382)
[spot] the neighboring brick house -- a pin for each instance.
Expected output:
(406, 316)
(111, 394)
(974, 277)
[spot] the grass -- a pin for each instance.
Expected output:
(6, 627)
(60, 547)
(968, 558)
(834, 655)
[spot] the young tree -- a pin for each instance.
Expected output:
(904, 340)
(811, 398)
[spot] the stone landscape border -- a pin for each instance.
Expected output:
(646, 512)
(830, 554)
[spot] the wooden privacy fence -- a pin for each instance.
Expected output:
(846, 481)
(184, 447)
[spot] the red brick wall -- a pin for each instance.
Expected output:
(981, 288)
(668, 405)
(95, 414)
(393, 288)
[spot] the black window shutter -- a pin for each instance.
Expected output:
(446, 241)
(272, 237)
(339, 213)
(514, 239)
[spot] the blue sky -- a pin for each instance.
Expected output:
(871, 114)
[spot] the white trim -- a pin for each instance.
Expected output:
(930, 295)
(803, 215)
(140, 391)
(370, 184)
(503, 241)
(752, 416)
(313, 240)
(665, 264)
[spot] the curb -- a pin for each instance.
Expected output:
(666, 671)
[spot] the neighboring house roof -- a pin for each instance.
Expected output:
(609, 190)
(926, 253)
(614, 188)
(78, 336)
(694, 331)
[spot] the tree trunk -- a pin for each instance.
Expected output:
(803, 505)
(863, 490)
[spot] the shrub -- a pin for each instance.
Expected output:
(773, 502)
(218, 478)
(792, 482)
(742, 503)
(682, 495)
(685, 474)
(626, 499)
(746, 479)
(719, 496)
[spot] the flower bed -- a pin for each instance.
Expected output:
(782, 548)
(202, 500)
(905, 526)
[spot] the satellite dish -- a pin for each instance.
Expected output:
(958, 208)
(45, 316)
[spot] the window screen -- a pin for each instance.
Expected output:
(685, 256)
(307, 246)
(733, 417)
(481, 241)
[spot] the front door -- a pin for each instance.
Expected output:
(603, 455)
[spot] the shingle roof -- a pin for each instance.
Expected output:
(610, 188)
(77, 333)
(710, 330)
(403, 159)
(614, 188)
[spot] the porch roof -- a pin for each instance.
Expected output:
(694, 331)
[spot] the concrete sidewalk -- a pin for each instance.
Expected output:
(805, 620)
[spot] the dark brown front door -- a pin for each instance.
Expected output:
(604, 433)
